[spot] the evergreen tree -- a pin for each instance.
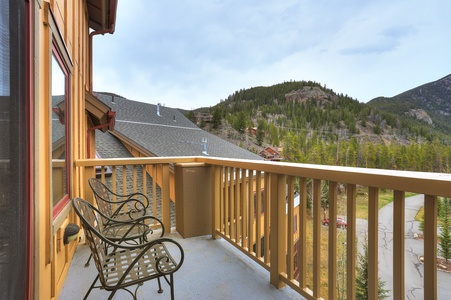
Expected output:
(260, 132)
(362, 277)
(217, 118)
(445, 233)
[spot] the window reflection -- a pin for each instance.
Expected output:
(59, 81)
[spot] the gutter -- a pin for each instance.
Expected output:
(110, 29)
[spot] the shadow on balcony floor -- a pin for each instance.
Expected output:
(213, 269)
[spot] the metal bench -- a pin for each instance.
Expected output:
(121, 265)
(115, 207)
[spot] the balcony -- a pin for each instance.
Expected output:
(257, 237)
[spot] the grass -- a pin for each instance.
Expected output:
(385, 197)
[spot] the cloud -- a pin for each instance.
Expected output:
(194, 53)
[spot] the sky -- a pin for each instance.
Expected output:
(194, 53)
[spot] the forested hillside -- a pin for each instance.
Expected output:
(430, 103)
(313, 124)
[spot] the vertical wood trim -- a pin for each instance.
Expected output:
(351, 247)
(278, 227)
(316, 238)
(398, 245)
(373, 243)
(430, 246)
(332, 264)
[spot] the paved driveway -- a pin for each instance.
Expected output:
(414, 270)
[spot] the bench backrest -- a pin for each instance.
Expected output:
(92, 227)
(102, 195)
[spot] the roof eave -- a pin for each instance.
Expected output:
(102, 14)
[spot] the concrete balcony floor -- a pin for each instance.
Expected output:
(213, 269)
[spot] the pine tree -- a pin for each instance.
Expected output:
(260, 132)
(445, 233)
(362, 277)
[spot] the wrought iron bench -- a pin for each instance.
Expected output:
(124, 208)
(121, 266)
(117, 206)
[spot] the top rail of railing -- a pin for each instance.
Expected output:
(438, 184)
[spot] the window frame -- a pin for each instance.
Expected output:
(59, 50)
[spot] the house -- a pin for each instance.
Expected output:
(203, 116)
(51, 120)
(270, 153)
(48, 116)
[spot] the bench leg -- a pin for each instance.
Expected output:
(160, 290)
(90, 289)
(172, 286)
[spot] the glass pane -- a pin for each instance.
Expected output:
(58, 132)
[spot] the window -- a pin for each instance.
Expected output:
(60, 66)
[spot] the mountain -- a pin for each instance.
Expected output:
(311, 109)
(313, 124)
(429, 103)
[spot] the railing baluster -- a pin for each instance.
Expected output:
(232, 204)
(135, 176)
(165, 201)
(251, 210)
(258, 215)
(332, 264)
(351, 248)
(398, 244)
(267, 214)
(124, 180)
(317, 238)
(113, 180)
(237, 207)
(290, 225)
(216, 196)
(226, 202)
(302, 252)
(430, 246)
(144, 180)
(278, 227)
(373, 243)
(244, 221)
(154, 190)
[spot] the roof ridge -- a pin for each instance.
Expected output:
(161, 125)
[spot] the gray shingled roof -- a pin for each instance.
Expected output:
(167, 134)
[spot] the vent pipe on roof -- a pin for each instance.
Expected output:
(204, 146)
(158, 109)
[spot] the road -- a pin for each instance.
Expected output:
(414, 270)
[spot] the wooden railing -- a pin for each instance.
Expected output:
(253, 209)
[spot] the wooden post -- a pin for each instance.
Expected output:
(278, 229)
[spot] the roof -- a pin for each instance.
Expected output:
(102, 14)
(164, 131)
